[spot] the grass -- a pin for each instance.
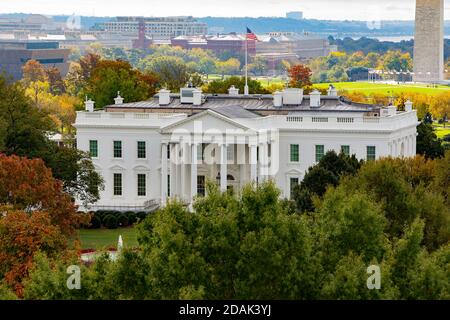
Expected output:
(107, 238)
(441, 131)
(381, 88)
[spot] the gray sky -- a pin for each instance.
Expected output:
(318, 9)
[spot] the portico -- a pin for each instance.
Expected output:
(228, 154)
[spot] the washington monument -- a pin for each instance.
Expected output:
(429, 41)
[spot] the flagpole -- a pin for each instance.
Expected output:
(246, 91)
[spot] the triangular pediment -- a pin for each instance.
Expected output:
(205, 121)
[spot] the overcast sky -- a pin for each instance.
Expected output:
(317, 9)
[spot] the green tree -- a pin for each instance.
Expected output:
(109, 77)
(172, 72)
(222, 86)
(326, 173)
(428, 144)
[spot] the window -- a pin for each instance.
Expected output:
(93, 148)
(201, 190)
(230, 152)
(168, 151)
(201, 152)
(117, 184)
(117, 149)
(371, 153)
(292, 184)
(345, 150)
(320, 151)
(295, 156)
(141, 150)
(168, 185)
(142, 185)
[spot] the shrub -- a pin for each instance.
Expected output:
(122, 220)
(110, 221)
(116, 214)
(132, 217)
(141, 215)
(96, 222)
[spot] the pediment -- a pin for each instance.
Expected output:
(206, 121)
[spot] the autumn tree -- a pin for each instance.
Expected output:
(299, 76)
(55, 80)
(33, 71)
(37, 215)
(25, 132)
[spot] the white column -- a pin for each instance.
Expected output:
(173, 176)
(263, 162)
(183, 161)
(163, 174)
(193, 171)
(253, 163)
(223, 167)
(177, 170)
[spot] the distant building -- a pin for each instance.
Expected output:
(166, 27)
(219, 44)
(142, 42)
(296, 15)
(14, 55)
(33, 22)
(304, 46)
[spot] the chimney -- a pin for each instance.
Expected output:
(292, 96)
(89, 105)
(408, 106)
(277, 99)
(332, 91)
(314, 99)
(233, 91)
(197, 97)
(118, 99)
(164, 97)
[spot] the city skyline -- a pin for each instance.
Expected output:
(313, 9)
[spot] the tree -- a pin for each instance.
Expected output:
(440, 107)
(428, 144)
(21, 236)
(30, 186)
(229, 67)
(33, 71)
(36, 216)
(54, 78)
(25, 133)
(172, 72)
(225, 249)
(109, 77)
(319, 177)
(222, 86)
(78, 173)
(299, 76)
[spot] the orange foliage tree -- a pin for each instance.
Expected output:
(299, 76)
(35, 215)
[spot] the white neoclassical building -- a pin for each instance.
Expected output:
(171, 145)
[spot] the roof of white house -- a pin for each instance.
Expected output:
(253, 103)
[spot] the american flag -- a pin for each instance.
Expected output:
(251, 35)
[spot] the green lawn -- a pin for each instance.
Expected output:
(442, 131)
(368, 88)
(105, 238)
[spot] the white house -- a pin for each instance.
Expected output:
(171, 145)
